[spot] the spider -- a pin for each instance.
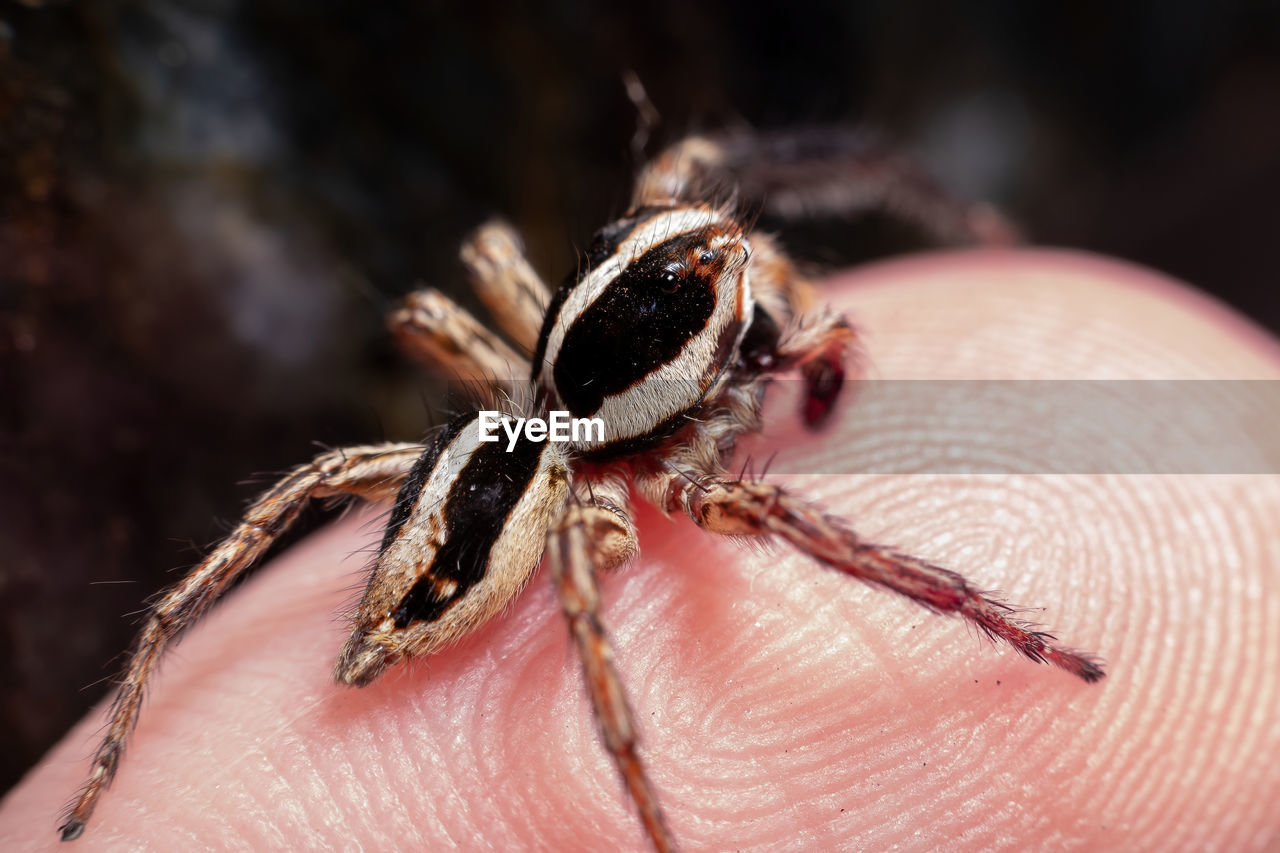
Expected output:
(669, 334)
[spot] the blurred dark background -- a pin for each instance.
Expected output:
(206, 205)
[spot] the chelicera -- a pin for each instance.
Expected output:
(668, 334)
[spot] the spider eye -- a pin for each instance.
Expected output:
(671, 279)
(707, 256)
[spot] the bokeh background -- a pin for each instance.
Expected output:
(207, 205)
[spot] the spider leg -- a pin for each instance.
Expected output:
(371, 472)
(506, 283)
(818, 342)
(776, 281)
(436, 331)
(693, 169)
(817, 172)
(578, 546)
(602, 504)
(747, 508)
(820, 347)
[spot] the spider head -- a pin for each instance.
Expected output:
(647, 328)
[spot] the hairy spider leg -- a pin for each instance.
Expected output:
(372, 472)
(575, 554)
(753, 508)
(506, 283)
(789, 334)
(438, 333)
(818, 172)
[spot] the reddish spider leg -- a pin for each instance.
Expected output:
(746, 508)
(371, 472)
(594, 534)
(819, 345)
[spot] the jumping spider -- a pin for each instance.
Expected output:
(669, 333)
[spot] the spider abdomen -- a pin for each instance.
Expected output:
(466, 533)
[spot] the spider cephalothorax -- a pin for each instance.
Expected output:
(668, 336)
(650, 327)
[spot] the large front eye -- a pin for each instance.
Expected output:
(672, 277)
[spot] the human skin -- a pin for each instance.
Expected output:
(783, 705)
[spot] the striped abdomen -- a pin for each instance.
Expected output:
(466, 533)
